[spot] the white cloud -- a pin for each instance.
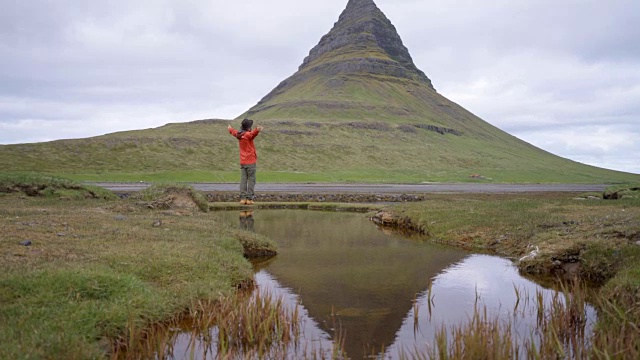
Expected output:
(551, 73)
(582, 110)
(604, 146)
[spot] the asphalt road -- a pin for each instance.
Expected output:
(374, 189)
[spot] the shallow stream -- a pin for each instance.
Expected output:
(377, 291)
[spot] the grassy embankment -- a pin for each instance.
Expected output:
(299, 151)
(96, 269)
(594, 240)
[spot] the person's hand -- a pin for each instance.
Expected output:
(260, 128)
(229, 127)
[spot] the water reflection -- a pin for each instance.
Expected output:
(489, 281)
(356, 283)
(350, 276)
(246, 221)
(315, 340)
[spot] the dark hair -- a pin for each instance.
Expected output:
(246, 124)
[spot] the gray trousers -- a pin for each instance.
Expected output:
(247, 181)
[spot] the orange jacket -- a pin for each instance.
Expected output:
(248, 153)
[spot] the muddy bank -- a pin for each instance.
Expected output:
(387, 219)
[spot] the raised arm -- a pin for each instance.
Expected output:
(255, 132)
(232, 131)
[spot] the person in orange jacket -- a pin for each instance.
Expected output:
(248, 159)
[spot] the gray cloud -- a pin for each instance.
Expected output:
(561, 75)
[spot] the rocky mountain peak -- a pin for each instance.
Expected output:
(362, 51)
(362, 30)
(359, 5)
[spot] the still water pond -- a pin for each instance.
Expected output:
(377, 291)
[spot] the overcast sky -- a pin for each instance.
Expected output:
(563, 75)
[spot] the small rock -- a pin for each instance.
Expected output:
(593, 198)
(120, 218)
(26, 243)
(62, 234)
(557, 263)
(638, 243)
(157, 223)
(499, 240)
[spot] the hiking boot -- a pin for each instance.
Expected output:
(243, 202)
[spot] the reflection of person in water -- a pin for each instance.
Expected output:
(246, 221)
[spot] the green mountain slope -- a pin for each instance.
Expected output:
(358, 109)
(290, 151)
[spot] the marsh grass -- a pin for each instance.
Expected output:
(248, 325)
(245, 325)
(99, 269)
(561, 331)
(261, 326)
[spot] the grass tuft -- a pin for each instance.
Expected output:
(256, 245)
(51, 186)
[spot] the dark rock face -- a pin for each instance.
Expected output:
(438, 129)
(363, 24)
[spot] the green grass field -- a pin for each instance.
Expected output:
(300, 152)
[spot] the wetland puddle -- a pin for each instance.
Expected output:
(376, 292)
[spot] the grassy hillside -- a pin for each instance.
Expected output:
(296, 151)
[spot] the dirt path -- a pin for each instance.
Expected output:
(375, 189)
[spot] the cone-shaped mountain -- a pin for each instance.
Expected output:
(363, 43)
(360, 77)
(361, 70)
